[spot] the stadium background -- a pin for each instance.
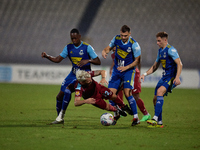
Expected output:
(28, 27)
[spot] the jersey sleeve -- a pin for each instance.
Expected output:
(64, 53)
(91, 52)
(78, 91)
(173, 53)
(112, 43)
(136, 49)
(91, 73)
(158, 58)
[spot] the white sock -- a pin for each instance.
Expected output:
(60, 116)
(155, 118)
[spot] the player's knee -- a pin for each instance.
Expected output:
(136, 96)
(59, 97)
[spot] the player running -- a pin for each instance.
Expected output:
(127, 56)
(135, 92)
(172, 67)
(81, 55)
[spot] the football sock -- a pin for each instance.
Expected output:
(132, 104)
(160, 116)
(112, 108)
(141, 106)
(58, 106)
(119, 102)
(159, 104)
(120, 95)
(66, 99)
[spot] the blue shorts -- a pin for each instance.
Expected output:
(126, 78)
(71, 76)
(167, 82)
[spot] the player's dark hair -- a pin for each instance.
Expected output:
(125, 28)
(74, 31)
(162, 34)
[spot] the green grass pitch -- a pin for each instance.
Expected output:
(26, 109)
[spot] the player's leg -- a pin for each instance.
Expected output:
(59, 99)
(64, 96)
(158, 103)
(136, 94)
(141, 106)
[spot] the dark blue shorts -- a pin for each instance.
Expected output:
(126, 78)
(167, 82)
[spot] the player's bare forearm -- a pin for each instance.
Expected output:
(150, 71)
(95, 61)
(78, 101)
(179, 70)
(133, 64)
(106, 51)
(52, 58)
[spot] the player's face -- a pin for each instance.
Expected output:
(125, 36)
(75, 39)
(86, 82)
(161, 42)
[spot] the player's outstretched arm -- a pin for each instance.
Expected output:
(150, 71)
(106, 51)
(79, 102)
(103, 74)
(52, 58)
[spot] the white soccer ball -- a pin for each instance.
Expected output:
(106, 119)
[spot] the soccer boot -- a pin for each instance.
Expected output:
(115, 119)
(136, 121)
(145, 117)
(57, 122)
(156, 126)
(152, 122)
(120, 111)
(127, 109)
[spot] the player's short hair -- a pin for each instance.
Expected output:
(74, 31)
(162, 34)
(125, 28)
(81, 75)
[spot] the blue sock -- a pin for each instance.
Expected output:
(58, 106)
(66, 99)
(112, 103)
(160, 116)
(159, 104)
(132, 104)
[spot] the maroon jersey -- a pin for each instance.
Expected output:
(94, 90)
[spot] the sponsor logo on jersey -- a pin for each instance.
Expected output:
(122, 53)
(76, 60)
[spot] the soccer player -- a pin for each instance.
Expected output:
(135, 92)
(172, 67)
(92, 92)
(81, 56)
(127, 56)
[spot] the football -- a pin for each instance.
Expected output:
(106, 119)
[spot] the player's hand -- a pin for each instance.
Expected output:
(83, 62)
(142, 77)
(122, 69)
(177, 81)
(103, 82)
(44, 54)
(90, 101)
(104, 54)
